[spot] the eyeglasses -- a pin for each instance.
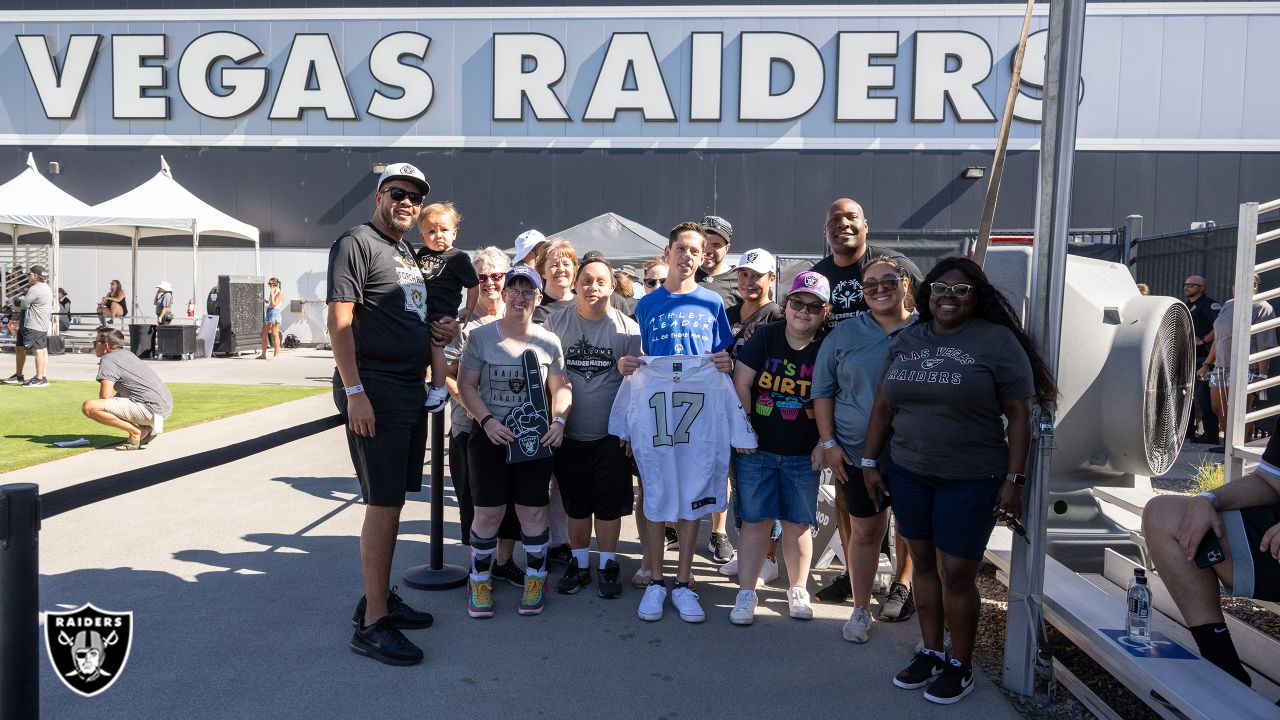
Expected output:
(652, 283)
(99, 342)
(1192, 284)
(886, 283)
(521, 294)
(493, 277)
(399, 194)
(958, 290)
(798, 305)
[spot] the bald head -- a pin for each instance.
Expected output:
(846, 230)
(1193, 287)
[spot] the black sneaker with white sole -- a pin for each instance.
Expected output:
(14, 379)
(574, 579)
(610, 586)
(838, 591)
(399, 611)
(923, 669)
(898, 605)
(673, 540)
(720, 549)
(509, 571)
(561, 554)
(955, 681)
(384, 642)
(36, 382)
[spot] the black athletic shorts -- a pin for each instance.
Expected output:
(494, 483)
(33, 339)
(595, 478)
(855, 494)
(1255, 573)
(460, 474)
(389, 464)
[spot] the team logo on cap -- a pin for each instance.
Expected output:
(408, 170)
(751, 256)
(88, 647)
(810, 280)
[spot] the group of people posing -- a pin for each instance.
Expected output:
(913, 390)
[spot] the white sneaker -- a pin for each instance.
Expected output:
(655, 596)
(437, 397)
(686, 603)
(730, 568)
(744, 608)
(798, 600)
(858, 629)
(768, 571)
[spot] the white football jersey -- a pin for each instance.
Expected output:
(682, 416)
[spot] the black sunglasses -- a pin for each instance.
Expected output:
(812, 308)
(958, 290)
(493, 277)
(399, 194)
(652, 283)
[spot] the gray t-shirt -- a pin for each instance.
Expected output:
(503, 385)
(136, 381)
(1222, 332)
(591, 352)
(459, 420)
(38, 304)
(946, 389)
(850, 365)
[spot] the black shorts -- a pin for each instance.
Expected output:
(595, 478)
(1255, 573)
(855, 494)
(33, 339)
(460, 474)
(389, 464)
(494, 483)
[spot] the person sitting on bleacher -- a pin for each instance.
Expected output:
(1244, 516)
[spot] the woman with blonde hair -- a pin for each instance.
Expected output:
(271, 318)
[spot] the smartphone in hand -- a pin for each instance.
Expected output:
(1209, 553)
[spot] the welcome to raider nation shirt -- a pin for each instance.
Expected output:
(682, 416)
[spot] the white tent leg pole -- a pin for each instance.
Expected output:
(257, 258)
(195, 282)
(133, 284)
(55, 269)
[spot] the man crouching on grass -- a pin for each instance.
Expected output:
(131, 396)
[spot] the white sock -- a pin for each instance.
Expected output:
(938, 654)
(583, 556)
(605, 557)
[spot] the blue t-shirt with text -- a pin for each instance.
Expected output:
(692, 323)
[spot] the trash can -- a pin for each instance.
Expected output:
(142, 339)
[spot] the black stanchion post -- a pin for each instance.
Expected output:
(20, 601)
(435, 575)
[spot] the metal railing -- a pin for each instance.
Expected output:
(1242, 451)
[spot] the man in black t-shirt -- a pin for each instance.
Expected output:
(717, 274)
(1204, 310)
(381, 337)
(846, 231)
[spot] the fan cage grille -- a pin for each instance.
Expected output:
(1169, 390)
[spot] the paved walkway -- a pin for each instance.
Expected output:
(242, 580)
(301, 366)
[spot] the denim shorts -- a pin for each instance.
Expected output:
(955, 515)
(782, 487)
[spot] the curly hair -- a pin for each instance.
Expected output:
(555, 244)
(990, 305)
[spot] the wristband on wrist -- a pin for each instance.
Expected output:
(827, 444)
(560, 419)
(1016, 478)
(1213, 499)
(486, 419)
(868, 463)
(354, 389)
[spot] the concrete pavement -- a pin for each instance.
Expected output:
(242, 580)
(300, 366)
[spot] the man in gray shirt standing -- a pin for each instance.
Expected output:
(36, 305)
(131, 397)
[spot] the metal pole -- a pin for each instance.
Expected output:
(435, 575)
(1048, 279)
(1242, 319)
(1132, 231)
(133, 305)
(20, 601)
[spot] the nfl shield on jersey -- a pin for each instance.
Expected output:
(681, 416)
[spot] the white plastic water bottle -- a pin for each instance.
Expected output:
(1138, 623)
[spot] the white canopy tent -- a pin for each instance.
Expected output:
(29, 204)
(162, 207)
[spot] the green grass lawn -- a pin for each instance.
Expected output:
(31, 420)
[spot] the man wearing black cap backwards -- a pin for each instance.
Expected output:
(382, 345)
(33, 333)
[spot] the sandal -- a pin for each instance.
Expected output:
(129, 445)
(147, 438)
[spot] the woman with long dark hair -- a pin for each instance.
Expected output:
(952, 384)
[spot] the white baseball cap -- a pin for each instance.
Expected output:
(527, 242)
(761, 261)
(165, 286)
(405, 171)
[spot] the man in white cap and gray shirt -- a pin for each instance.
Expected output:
(36, 305)
(164, 303)
(527, 244)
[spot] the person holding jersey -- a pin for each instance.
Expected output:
(779, 480)
(952, 384)
(494, 384)
(844, 389)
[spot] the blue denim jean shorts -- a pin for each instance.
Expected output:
(781, 487)
(955, 515)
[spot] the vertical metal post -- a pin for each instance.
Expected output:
(435, 575)
(20, 601)
(1132, 231)
(1048, 280)
(1241, 333)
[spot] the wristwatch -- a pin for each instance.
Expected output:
(1017, 479)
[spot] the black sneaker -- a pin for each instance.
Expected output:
(559, 554)
(400, 613)
(673, 540)
(837, 592)
(955, 681)
(14, 379)
(720, 549)
(36, 382)
(922, 670)
(898, 605)
(610, 586)
(384, 642)
(574, 579)
(509, 571)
